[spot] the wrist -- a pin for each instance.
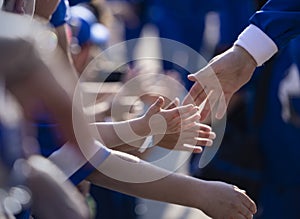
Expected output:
(141, 126)
(245, 55)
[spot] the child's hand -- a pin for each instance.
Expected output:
(222, 200)
(178, 119)
(189, 139)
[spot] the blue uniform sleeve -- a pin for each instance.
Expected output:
(279, 19)
(59, 17)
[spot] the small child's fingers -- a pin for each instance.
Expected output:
(187, 115)
(156, 106)
(173, 104)
(203, 141)
(159, 102)
(175, 117)
(190, 123)
(210, 135)
(204, 127)
(192, 148)
(181, 110)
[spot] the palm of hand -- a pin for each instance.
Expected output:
(220, 79)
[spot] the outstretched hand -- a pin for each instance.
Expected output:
(167, 121)
(219, 80)
(189, 139)
(222, 200)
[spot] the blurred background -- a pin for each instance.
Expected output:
(123, 48)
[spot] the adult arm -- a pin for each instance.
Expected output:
(270, 29)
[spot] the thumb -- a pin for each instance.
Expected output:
(192, 77)
(156, 107)
(222, 106)
(173, 104)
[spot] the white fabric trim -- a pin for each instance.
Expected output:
(260, 46)
(70, 159)
(147, 144)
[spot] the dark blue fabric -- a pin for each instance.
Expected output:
(90, 166)
(279, 202)
(75, 2)
(280, 195)
(279, 19)
(59, 17)
(184, 22)
(113, 205)
(25, 214)
(234, 16)
(280, 139)
(10, 145)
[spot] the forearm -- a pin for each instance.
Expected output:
(135, 177)
(125, 134)
(45, 9)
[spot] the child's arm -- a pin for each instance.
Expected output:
(179, 121)
(130, 175)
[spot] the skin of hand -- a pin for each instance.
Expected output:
(52, 95)
(166, 121)
(181, 121)
(189, 139)
(45, 8)
(220, 79)
(218, 200)
(226, 201)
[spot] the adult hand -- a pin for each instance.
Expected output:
(219, 80)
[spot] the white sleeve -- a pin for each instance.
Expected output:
(260, 46)
(76, 164)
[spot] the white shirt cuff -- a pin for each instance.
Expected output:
(258, 44)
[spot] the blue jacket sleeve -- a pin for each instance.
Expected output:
(279, 19)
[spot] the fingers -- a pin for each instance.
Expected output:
(204, 131)
(247, 201)
(192, 148)
(156, 106)
(190, 116)
(203, 141)
(240, 216)
(180, 112)
(245, 213)
(195, 96)
(222, 106)
(173, 104)
(209, 104)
